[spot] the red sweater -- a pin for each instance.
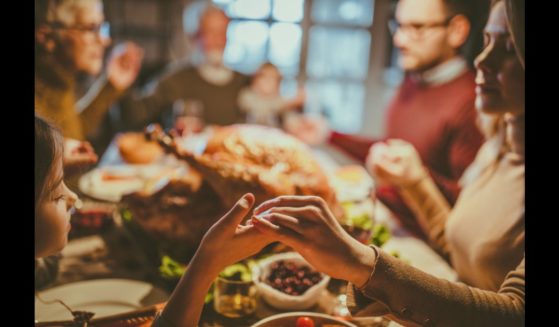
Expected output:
(440, 122)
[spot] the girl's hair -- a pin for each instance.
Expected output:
(492, 3)
(516, 24)
(493, 127)
(49, 149)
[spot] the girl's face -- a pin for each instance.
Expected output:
(52, 220)
(500, 76)
(267, 81)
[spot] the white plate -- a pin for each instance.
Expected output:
(139, 176)
(104, 297)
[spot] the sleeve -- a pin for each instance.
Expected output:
(432, 211)
(139, 107)
(412, 297)
(354, 145)
(95, 104)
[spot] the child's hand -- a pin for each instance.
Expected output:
(228, 242)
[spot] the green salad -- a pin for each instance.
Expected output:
(360, 222)
(241, 271)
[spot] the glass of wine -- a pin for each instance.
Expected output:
(234, 298)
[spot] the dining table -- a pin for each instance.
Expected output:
(113, 253)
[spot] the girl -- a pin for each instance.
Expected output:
(225, 243)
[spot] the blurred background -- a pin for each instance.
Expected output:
(340, 50)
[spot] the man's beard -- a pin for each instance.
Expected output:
(213, 70)
(214, 58)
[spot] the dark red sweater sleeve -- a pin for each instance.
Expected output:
(353, 145)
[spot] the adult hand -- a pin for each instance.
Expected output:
(312, 130)
(395, 162)
(307, 224)
(124, 65)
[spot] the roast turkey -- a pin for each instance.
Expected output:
(237, 159)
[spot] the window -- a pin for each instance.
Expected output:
(334, 67)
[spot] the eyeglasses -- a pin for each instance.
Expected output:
(103, 30)
(415, 31)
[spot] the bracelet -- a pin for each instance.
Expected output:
(372, 271)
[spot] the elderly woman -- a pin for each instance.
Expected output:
(71, 37)
(484, 237)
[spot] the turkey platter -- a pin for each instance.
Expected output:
(237, 159)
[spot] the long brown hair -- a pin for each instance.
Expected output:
(49, 149)
(516, 24)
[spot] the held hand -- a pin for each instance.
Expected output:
(124, 65)
(313, 130)
(228, 242)
(395, 162)
(307, 224)
(225, 243)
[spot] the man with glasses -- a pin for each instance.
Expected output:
(433, 109)
(70, 39)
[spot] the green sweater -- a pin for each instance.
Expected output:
(55, 99)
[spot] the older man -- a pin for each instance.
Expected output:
(208, 82)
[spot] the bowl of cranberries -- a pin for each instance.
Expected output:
(287, 281)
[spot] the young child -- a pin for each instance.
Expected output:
(76, 156)
(262, 101)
